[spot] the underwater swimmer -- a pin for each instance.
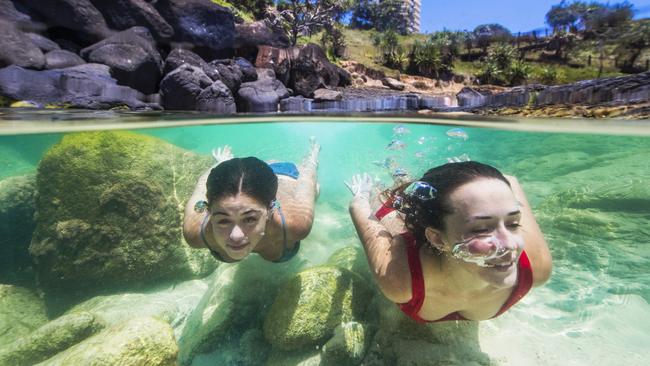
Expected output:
(450, 246)
(245, 205)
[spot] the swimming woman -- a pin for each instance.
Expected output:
(460, 243)
(245, 205)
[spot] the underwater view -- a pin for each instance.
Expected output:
(94, 268)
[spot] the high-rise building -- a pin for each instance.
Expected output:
(413, 9)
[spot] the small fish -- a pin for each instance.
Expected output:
(422, 140)
(401, 130)
(399, 172)
(458, 133)
(396, 145)
(419, 154)
(459, 159)
(386, 163)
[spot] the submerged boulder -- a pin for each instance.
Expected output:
(109, 215)
(50, 339)
(21, 312)
(237, 298)
(141, 341)
(16, 228)
(312, 304)
(353, 259)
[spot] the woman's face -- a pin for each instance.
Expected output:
(483, 230)
(238, 223)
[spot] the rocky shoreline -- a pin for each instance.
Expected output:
(192, 55)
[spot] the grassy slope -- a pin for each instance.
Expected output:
(361, 49)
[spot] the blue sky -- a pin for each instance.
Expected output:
(516, 15)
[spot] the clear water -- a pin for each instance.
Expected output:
(590, 193)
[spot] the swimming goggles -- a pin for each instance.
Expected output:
(421, 190)
(484, 249)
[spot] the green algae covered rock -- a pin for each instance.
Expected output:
(348, 345)
(171, 305)
(353, 259)
(310, 357)
(238, 296)
(140, 341)
(16, 228)
(50, 339)
(312, 304)
(109, 214)
(21, 312)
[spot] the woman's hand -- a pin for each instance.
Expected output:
(222, 154)
(361, 185)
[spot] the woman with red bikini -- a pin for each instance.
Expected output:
(460, 243)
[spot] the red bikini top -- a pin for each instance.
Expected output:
(412, 308)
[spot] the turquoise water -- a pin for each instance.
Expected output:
(590, 194)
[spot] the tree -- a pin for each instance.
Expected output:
(486, 34)
(632, 43)
(304, 17)
(255, 7)
(391, 14)
(562, 17)
(363, 14)
(382, 16)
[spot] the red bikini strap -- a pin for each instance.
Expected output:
(524, 283)
(385, 209)
(412, 308)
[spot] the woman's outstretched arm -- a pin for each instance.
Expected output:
(386, 253)
(536, 247)
(298, 203)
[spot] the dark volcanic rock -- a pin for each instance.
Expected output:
(261, 95)
(44, 44)
(623, 89)
(76, 15)
(296, 104)
(249, 73)
(18, 49)
(59, 59)
(259, 34)
(199, 22)
(227, 72)
(85, 86)
(9, 12)
(312, 70)
(132, 58)
(216, 98)
(180, 89)
(179, 56)
(124, 14)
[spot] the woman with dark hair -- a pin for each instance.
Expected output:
(245, 205)
(450, 246)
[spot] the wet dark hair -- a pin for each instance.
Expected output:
(242, 175)
(420, 214)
